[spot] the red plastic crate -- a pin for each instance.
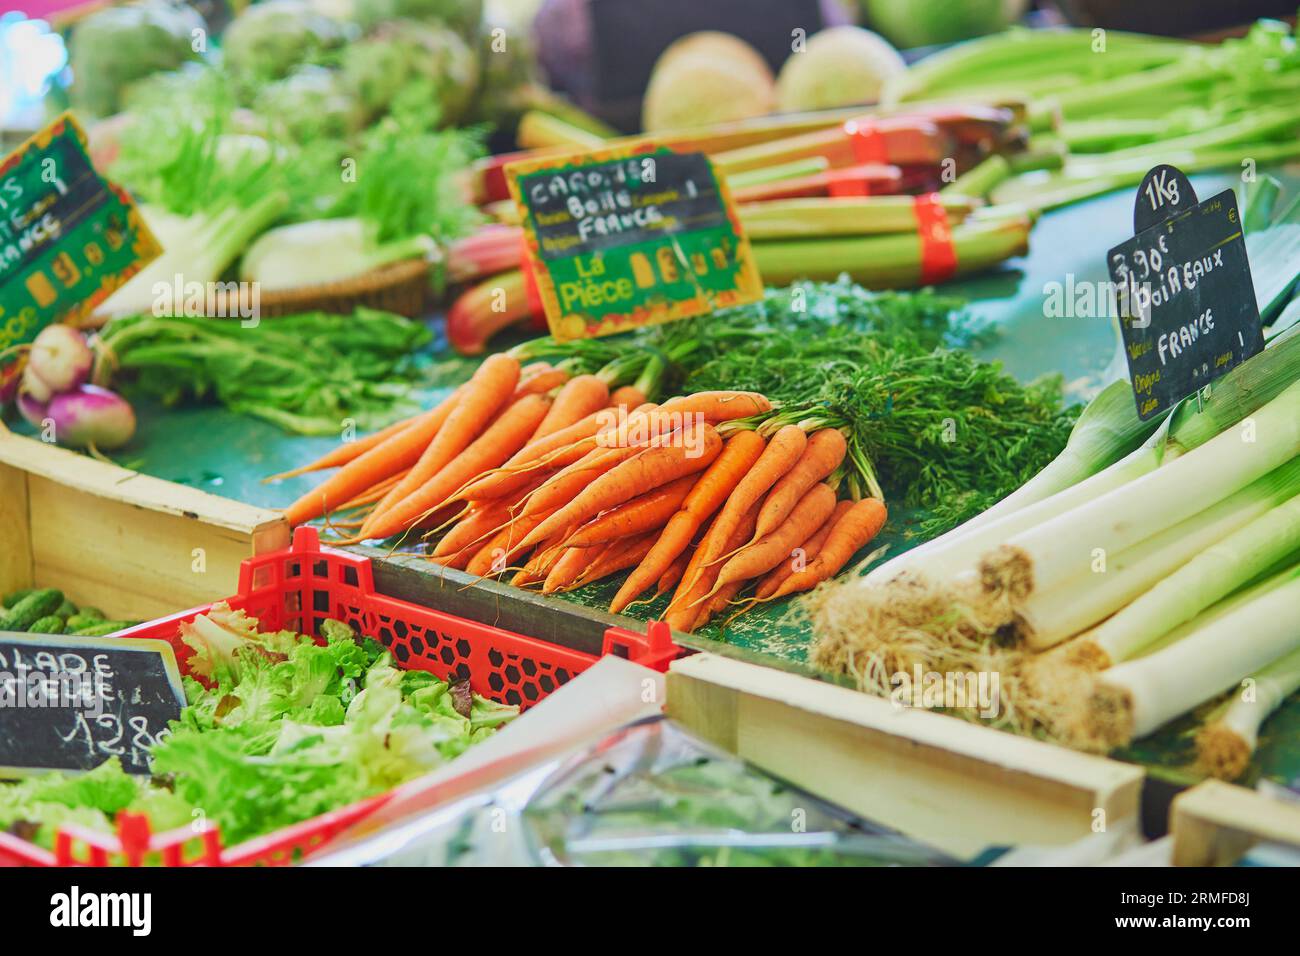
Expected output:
(298, 590)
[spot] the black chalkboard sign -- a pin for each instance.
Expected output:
(591, 208)
(70, 703)
(1185, 299)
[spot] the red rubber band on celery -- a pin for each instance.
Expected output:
(938, 254)
(846, 182)
(867, 142)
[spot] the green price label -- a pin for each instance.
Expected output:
(622, 239)
(68, 237)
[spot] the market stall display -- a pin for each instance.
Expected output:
(812, 408)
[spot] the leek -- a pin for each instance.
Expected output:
(1034, 560)
(1172, 575)
(1224, 745)
(791, 218)
(1134, 698)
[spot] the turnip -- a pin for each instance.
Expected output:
(84, 417)
(60, 359)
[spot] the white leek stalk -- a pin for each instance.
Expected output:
(1134, 698)
(1208, 577)
(1224, 746)
(1045, 556)
(960, 548)
(1173, 575)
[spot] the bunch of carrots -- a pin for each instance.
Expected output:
(558, 482)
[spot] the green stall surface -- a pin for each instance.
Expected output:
(210, 448)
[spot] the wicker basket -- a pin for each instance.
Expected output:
(401, 287)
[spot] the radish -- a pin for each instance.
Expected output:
(84, 417)
(59, 360)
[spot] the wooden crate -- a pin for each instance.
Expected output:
(1215, 823)
(955, 785)
(132, 545)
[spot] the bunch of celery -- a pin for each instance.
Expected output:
(1121, 103)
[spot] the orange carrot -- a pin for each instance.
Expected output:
(684, 611)
(738, 457)
(372, 494)
(773, 548)
(524, 466)
(718, 406)
(579, 397)
(627, 397)
(485, 394)
(537, 567)
(691, 452)
(398, 452)
(502, 439)
(480, 519)
(566, 570)
(646, 512)
(491, 557)
(540, 383)
(855, 528)
(802, 556)
(348, 451)
(778, 457)
(668, 580)
(825, 451)
(618, 556)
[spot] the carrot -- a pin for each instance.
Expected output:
(372, 494)
(504, 437)
(627, 397)
(738, 456)
(826, 449)
(566, 570)
(692, 452)
(348, 451)
(485, 394)
(803, 555)
(618, 556)
(644, 513)
(778, 457)
(398, 452)
(684, 612)
(481, 518)
(771, 549)
(540, 383)
(718, 406)
(540, 564)
(579, 397)
(491, 556)
(561, 487)
(669, 578)
(523, 467)
(855, 528)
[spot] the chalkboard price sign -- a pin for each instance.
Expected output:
(70, 703)
(1182, 285)
(624, 238)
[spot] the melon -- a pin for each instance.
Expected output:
(841, 66)
(707, 78)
